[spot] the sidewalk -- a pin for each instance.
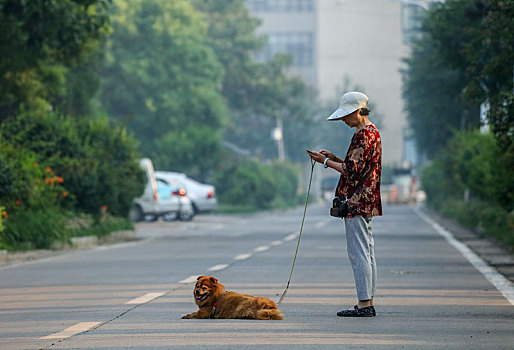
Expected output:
(499, 258)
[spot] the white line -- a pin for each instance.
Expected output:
(276, 243)
(218, 267)
(262, 248)
(190, 279)
(145, 298)
(291, 236)
(71, 331)
(242, 256)
(505, 286)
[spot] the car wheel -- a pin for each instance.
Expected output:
(186, 216)
(135, 213)
(151, 217)
(170, 216)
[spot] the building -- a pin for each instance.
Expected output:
(338, 44)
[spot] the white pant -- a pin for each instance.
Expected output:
(361, 251)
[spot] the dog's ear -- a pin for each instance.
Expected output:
(200, 277)
(213, 279)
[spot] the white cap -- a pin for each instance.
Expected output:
(350, 102)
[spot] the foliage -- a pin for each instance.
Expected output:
(246, 183)
(35, 228)
(472, 162)
(484, 217)
(472, 182)
(249, 184)
(39, 39)
(464, 58)
(285, 178)
(476, 38)
(85, 160)
(161, 80)
(2, 218)
(26, 183)
(102, 227)
(257, 93)
(428, 78)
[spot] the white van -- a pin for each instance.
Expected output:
(148, 202)
(159, 201)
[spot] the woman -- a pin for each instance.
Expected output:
(364, 155)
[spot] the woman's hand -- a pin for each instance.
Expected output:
(328, 154)
(317, 156)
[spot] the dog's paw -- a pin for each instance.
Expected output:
(187, 316)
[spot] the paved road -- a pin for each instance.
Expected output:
(132, 295)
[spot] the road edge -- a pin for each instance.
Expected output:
(504, 285)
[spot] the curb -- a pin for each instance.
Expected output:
(77, 243)
(3, 256)
(495, 255)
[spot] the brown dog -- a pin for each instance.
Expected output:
(214, 302)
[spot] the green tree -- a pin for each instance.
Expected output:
(432, 92)
(38, 41)
(161, 80)
(485, 49)
(257, 93)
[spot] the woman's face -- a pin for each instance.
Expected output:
(352, 120)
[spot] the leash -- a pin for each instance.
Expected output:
(313, 162)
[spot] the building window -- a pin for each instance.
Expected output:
(280, 5)
(411, 22)
(298, 45)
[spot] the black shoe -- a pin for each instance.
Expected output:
(356, 312)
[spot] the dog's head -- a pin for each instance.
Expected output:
(206, 290)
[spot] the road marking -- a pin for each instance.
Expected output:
(291, 237)
(190, 279)
(71, 331)
(262, 248)
(218, 267)
(145, 298)
(242, 256)
(276, 243)
(505, 286)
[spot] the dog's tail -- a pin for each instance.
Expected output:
(269, 314)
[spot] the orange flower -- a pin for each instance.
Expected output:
(49, 181)
(65, 194)
(35, 164)
(17, 202)
(48, 169)
(104, 208)
(59, 179)
(4, 215)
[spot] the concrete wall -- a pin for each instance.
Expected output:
(359, 41)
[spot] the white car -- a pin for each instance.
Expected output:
(174, 201)
(159, 200)
(203, 196)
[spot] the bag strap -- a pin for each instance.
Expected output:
(364, 178)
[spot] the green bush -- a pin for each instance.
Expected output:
(285, 177)
(35, 229)
(96, 161)
(486, 218)
(248, 185)
(56, 167)
(471, 183)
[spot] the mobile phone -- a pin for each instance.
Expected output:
(308, 151)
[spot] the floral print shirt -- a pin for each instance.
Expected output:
(365, 150)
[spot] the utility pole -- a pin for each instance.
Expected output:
(278, 135)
